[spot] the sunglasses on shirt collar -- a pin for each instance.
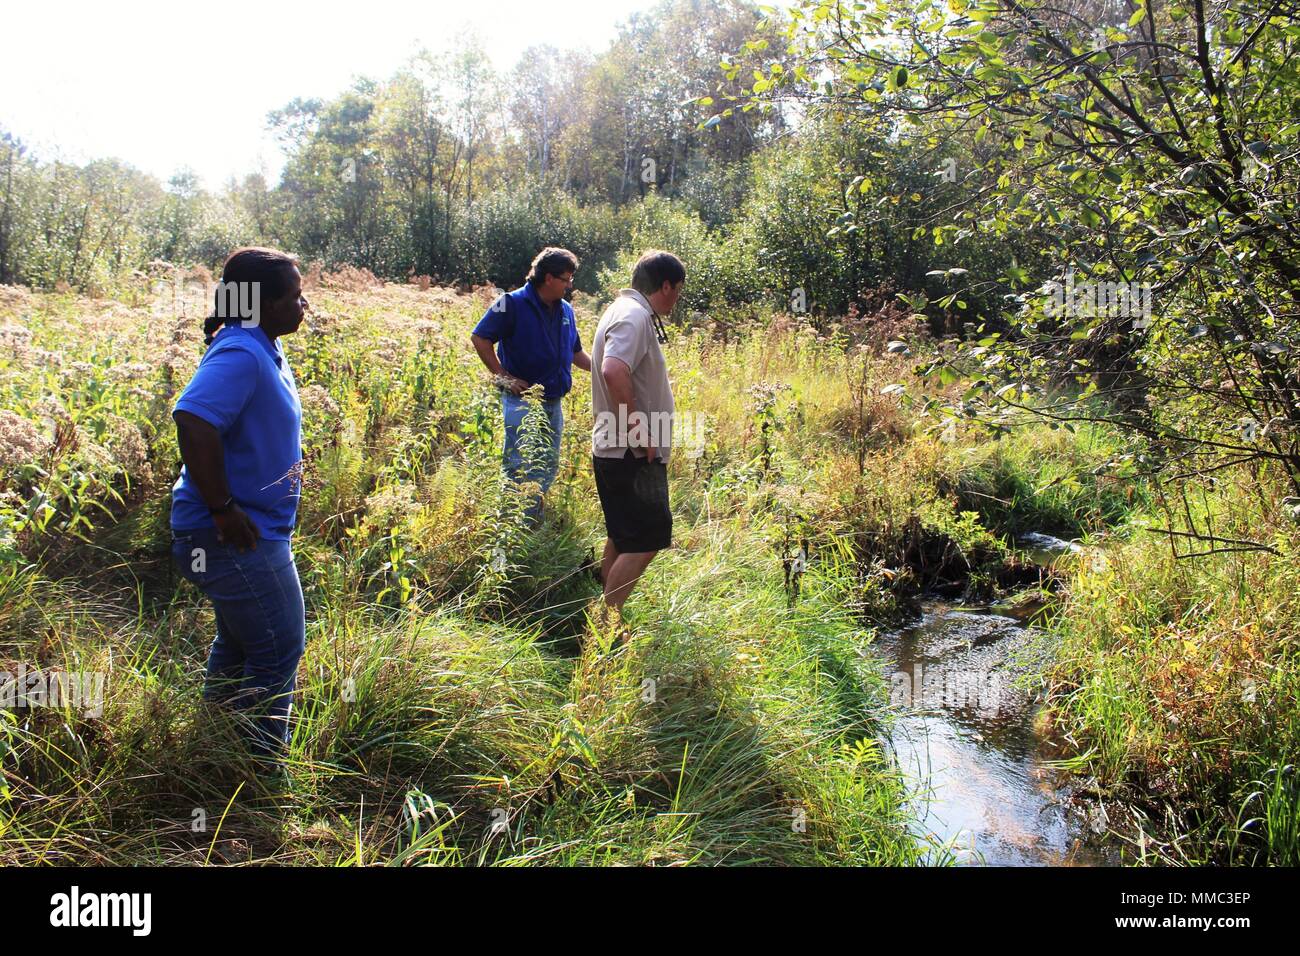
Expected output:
(660, 332)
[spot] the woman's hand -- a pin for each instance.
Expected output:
(236, 529)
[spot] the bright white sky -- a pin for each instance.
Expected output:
(165, 85)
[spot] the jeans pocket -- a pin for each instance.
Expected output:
(196, 553)
(513, 406)
(187, 557)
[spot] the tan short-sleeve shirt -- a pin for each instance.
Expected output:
(626, 332)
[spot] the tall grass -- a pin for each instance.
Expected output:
(1177, 683)
(456, 704)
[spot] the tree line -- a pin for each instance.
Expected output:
(450, 170)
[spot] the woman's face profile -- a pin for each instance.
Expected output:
(285, 315)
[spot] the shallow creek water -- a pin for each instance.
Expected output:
(964, 735)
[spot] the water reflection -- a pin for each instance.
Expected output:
(964, 735)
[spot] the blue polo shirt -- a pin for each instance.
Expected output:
(244, 388)
(534, 343)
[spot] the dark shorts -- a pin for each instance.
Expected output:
(634, 496)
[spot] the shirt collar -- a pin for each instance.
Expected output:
(531, 290)
(255, 332)
(634, 294)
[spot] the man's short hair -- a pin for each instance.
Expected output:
(552, 261)
(654, 268)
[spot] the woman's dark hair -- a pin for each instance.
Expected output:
(267, 267)
(654, 268)
(552, 261)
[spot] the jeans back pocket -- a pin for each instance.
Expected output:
(193, 552)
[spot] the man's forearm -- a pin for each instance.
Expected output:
(487, 354)
(619, 385)
(618, 382)
(200, 446)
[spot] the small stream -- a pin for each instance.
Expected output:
(964, 736)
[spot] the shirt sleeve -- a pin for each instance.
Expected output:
(625, 340)
(221, 387)
(498, 321)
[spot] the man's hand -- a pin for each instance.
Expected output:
(650, 453)
(236, 529)
(508, 383)
(483, 347)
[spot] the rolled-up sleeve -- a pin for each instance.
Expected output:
(221, 387)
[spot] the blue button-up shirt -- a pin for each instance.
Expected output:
(244, 389)
(534, 343)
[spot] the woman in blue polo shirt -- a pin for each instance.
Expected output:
(238, 424)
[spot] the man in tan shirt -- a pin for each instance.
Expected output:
(632, 405)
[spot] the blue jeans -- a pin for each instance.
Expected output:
(261, 628)
(543, 469)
